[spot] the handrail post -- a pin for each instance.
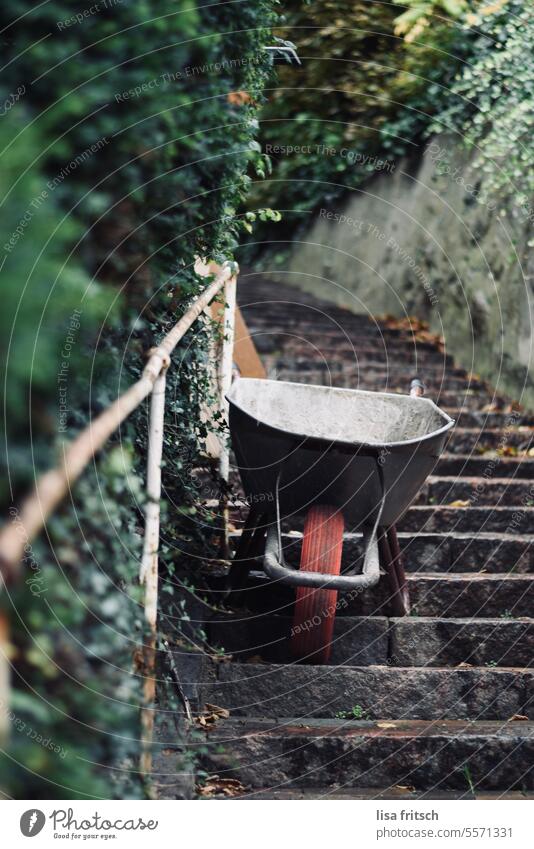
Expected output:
(225, 382)
(5, 677)
(149, 564)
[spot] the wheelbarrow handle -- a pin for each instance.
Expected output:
(277, 570)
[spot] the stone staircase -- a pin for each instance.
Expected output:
(436, 704)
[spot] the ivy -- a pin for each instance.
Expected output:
(491, 102)
(139, 121)
(361, 98)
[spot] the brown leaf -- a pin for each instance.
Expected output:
(404, 788)
(464, 665)
(518, 717)
(222, 713)
(385, 725)
(215, 786)
(210, 715)
(459, 503)
(239, 98)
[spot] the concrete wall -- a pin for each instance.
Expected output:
(419, 242)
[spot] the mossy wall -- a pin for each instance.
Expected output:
(419, 240)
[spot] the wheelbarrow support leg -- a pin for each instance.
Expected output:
(390, 559)
(250, 545)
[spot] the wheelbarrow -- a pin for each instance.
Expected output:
(343, 459)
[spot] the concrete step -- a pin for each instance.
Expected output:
(493, 420)
(430, 519)
(358, 641)
(447, 642)
(273, 690)
(444, 519)
(376, 640)
(449, 595)
(374, 368)
(434, 552)
(448, 755)
(332, 344)
(374, 381)
(489, 463)
(468, 440)
(401, 793)
(338, 348)
(477, 491)
(471, 595)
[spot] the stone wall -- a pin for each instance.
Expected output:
(420, 240)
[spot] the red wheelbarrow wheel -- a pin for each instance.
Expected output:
(315, 609)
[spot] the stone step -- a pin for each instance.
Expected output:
(493, 420)
(430, 519)
(449, 595)
(358, 641)
(376, 640)
(468, 440)
(439, 552)
(472, 399)
(431, 641)
(307, 323)
(471, 595)
(374, 692)
(374, 369)
(342, 349)
(489, 463)
(447, 755)
(477, 490)
(335, 344)
(375, 381)
(441, 519)
(401, 793)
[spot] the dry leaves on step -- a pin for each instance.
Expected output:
(518, 717)
(464, 665)
(404, 788)
(385, 725)
(211, 714)
(215, 786)
(459, 503)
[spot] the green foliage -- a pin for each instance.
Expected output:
(418, 13)
(141, 120)
(361, 98)
(491, 102)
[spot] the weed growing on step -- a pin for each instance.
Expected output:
(356, 712)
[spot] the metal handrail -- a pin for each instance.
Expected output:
(51, 487)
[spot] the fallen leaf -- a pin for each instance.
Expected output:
(223, 713)
(215, 786)
(464, 665)
(255, 658)
(385, 725)
(404, 788)
(518, 717)
(459, 503)
(211, 714)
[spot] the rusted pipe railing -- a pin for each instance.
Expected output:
(52, 487)
(225, 382)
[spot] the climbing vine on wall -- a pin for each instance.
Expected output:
(491, 101)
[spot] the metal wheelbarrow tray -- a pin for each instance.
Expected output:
(364, 455)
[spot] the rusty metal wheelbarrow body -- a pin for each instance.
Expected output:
(366, 454)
